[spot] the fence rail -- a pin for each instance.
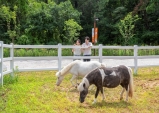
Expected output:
(59, 57)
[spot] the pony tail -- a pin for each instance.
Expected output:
(131, 89)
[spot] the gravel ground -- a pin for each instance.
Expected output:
(31, 64)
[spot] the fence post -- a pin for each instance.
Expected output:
(1, 63)
(135, 58)
(12, 61)
(59, 56)
(100, 53)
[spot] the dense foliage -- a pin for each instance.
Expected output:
(122, 22)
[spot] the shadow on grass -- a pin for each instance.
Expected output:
(120, 104)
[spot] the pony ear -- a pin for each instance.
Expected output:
(77, 85)
(84, 85)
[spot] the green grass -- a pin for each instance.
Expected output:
(68, 52)
(36, 92)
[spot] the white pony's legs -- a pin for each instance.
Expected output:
(72, 79)
(121, 94)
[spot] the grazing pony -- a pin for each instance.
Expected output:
(77, 68)
(107, 77)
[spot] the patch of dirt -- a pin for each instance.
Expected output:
(45, 88)
(72, 94)
(150, 84)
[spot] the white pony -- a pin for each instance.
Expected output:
(77, 68)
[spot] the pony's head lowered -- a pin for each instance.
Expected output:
(60, 74)
(83, 89)
(59, 78)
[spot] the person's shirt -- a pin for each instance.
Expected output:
(77, 51)
(87, 48)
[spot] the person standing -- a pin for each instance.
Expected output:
(77, 51)
(87, 48)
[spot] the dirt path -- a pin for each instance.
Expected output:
(53, 63)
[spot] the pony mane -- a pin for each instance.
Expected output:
(80, 86)
(65, 70)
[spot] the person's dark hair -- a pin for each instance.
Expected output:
(87, 38)
(78, 41)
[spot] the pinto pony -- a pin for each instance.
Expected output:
(107, 77)
(77, 68)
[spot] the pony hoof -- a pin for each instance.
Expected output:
(94, 102)
(121, 98)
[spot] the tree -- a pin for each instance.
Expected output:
(9, 17)
(71, 29)
(126, 27)
(46, 23)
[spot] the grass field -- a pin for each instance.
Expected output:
(36, 92)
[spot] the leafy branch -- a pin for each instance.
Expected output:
(126, 27)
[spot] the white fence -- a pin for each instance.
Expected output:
(59, 57)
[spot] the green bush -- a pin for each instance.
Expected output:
(6, 52)
(68, 52)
